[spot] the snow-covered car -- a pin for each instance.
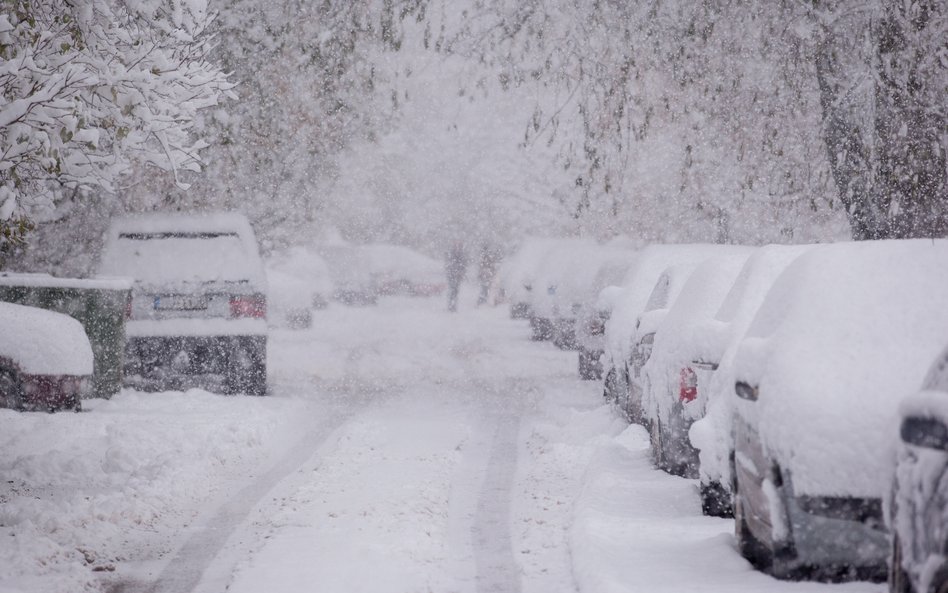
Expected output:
(918, 509)
(554, 286)
(670, 400)
(583, 274)
(400, 270)
(351, 275)
(518, 274)
(845, 332)
(713, 343)
(45, 359)
(591, 314)
(198, 310)
(298, 282)
(663, 296)
(623, 305)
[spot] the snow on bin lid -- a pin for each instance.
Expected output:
(845, 333)
(42, 342)
(162, 249)
(46, 281)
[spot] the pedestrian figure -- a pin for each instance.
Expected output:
(455, 266)
(487, 270)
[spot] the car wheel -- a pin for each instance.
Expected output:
(609, 386)
(752, 549)
(655, 436)
(11, 390)
(588, 363)
(898, 578)
(716, 500)
(247, 374)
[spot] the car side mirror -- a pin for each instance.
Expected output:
(930, 433)
(746, 391)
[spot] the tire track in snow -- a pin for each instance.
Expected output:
(185, 570)
(497, 569)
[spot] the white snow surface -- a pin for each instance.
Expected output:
(42, 342)
(674, 347)
(403, 449)
(716, 341)
(845, 333)
(520, 270)
(135, 249)
(48, 281)
(637, 287)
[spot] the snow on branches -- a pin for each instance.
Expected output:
(91, 88)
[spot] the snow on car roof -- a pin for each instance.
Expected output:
(42, 342)
(163, 249)
(639, 282)
(715, 340)
(699, 299)
(845, 333)
(521, 268)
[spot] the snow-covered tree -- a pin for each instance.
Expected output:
(90, 89)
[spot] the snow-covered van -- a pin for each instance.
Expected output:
(197, 316)
(844, 334)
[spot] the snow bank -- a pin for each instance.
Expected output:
(844, 334)
(82, 492)
(43, 342)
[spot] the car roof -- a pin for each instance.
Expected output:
(41, 342)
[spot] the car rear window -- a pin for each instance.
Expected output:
(167, 257)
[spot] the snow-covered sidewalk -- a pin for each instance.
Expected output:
(403, 449)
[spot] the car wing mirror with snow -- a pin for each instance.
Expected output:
(930, 433)
(746, 391)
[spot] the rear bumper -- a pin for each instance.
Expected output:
(224, 364)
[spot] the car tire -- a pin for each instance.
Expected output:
(589, 366)
(658, 452)
(716, 501)
(247, 376)
(609, 386)
(751, 548)
(899, 581)
(11, 390)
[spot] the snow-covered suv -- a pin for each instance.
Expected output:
(197, 317)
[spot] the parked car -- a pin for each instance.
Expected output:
(918, 509)
(845, 331)
(298, 282)
(197, 316)
(518, 274)
(552, 285)
(664, 294)
(45, 359)
(397, 270)
(589, 323)
(351, 274)
(670, 401)
(715, 342)
(627, 304)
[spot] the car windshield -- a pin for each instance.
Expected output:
(161, 258)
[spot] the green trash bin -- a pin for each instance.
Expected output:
(99, 304)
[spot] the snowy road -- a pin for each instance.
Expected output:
(403, 450)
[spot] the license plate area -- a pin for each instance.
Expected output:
(180, 302)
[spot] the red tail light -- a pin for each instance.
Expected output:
(248, 306)
(688, 385)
